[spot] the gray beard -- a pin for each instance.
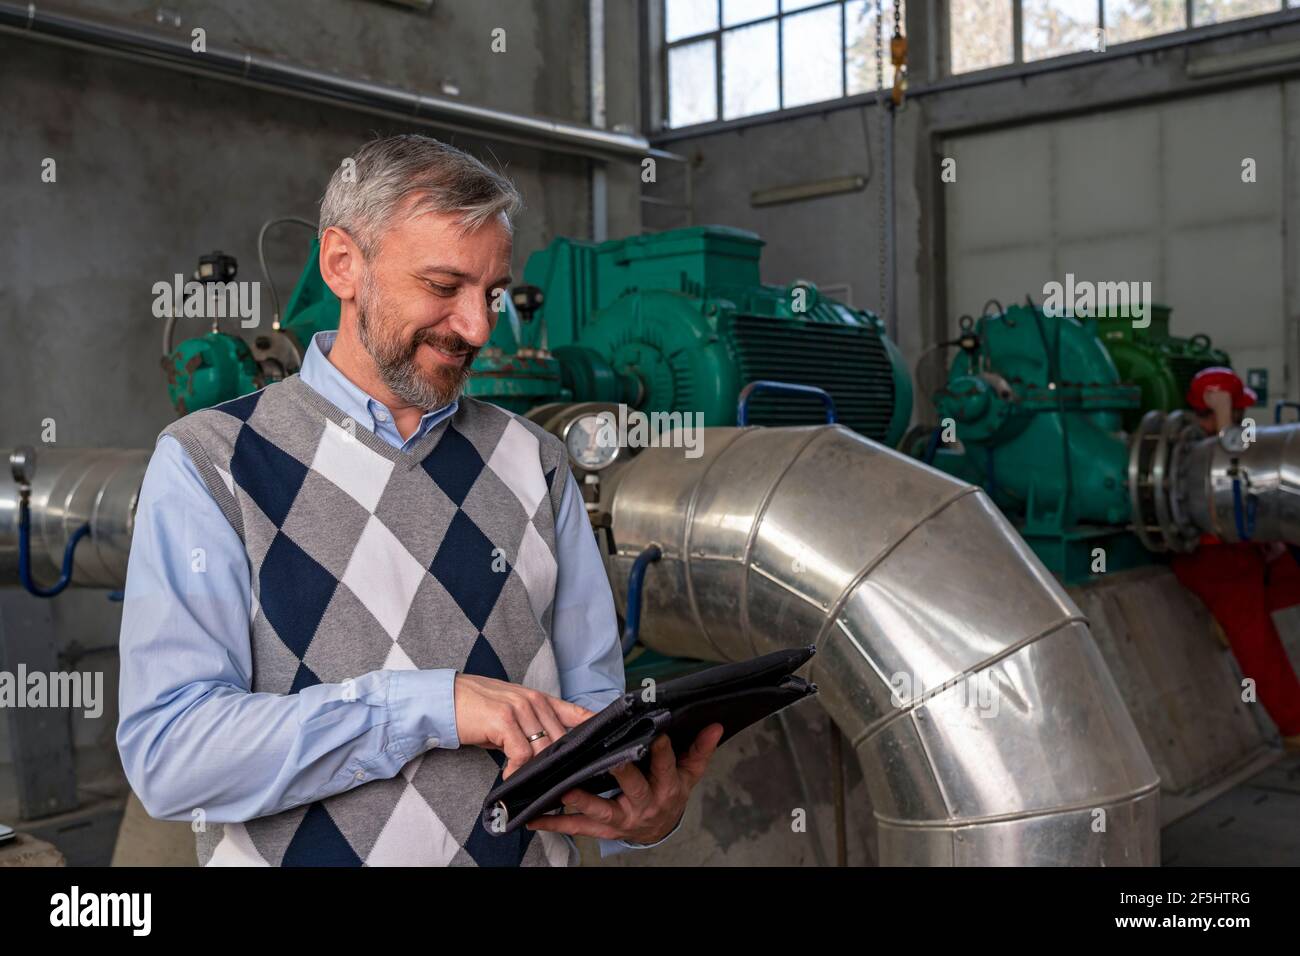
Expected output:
(395, 359)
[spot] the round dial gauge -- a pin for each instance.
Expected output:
(592, 442)
(1233, 439)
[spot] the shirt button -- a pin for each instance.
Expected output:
(361, 775)
(381, 416)
(432, 742)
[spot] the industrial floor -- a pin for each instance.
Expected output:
(1256, 823)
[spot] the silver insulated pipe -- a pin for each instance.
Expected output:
(70, 488)
(1243, 485)
(1266, 475)
(988, 727)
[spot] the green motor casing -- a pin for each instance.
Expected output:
(1160, 364)
(679, 321)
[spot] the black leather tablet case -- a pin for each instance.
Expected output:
(734, 695)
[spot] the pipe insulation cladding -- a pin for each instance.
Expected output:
(71, 488)
(988, 727)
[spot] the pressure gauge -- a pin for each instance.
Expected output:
(1233, 439)
(592, 441)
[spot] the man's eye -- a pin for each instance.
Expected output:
(441, 289)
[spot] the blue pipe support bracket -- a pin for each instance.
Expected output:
(24, 553)
(635, 582)
(1277, 410)
(783, 388)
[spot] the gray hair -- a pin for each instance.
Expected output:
(365, 193)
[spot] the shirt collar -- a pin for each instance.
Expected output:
(323, 376)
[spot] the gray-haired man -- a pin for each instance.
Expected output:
(356, 599)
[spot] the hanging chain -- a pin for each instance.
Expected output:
(882, 305)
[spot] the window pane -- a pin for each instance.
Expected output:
(980, 34)
(692, 84)
(789, 5)
(742, 11)
(812, 54)
(1217, 11)
(860, 46)
(685, 18)
(749, 70)
(1057, 27)
(1136, 19)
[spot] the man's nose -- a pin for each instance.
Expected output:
(474, 320)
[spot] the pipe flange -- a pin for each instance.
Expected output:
(1140, 479)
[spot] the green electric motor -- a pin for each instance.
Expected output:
(679, 321)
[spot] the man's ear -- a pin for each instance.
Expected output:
(341, 263)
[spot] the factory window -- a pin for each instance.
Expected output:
(729, 59)
(990, 33)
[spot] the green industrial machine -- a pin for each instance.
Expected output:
(679, 321)
(1036, 410)
(1160, 364)
(675, 321)
(1032, 411)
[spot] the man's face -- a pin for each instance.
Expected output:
(425, 303)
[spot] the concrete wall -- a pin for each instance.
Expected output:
(155, 168)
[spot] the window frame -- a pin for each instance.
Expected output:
(715, 37)
(1167, 38)
(940, 43)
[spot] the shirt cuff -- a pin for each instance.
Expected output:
(422, 709)
(612, 847)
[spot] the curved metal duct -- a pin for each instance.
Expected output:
(70, 488)
(988, 727)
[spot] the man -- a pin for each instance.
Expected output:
(1243, 583)
(356, 600)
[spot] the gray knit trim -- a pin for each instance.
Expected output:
(299, 390)
(211, 477)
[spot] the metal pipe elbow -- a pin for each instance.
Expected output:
(987, 725)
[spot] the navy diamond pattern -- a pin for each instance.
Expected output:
(318, 842)
(463, 565)
(454, 465)
(242, 407)
(294, 591)
(268, 475)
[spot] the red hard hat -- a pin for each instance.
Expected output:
(1221, 378)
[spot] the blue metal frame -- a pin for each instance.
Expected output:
(785, 388)
(635, 582)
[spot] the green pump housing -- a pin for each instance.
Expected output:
(1160, 364)
(1034, 408)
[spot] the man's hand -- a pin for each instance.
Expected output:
(647, 810)
(496, 714)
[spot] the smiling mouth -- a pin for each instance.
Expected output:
(446, 357)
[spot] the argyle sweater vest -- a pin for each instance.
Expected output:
(364, 557)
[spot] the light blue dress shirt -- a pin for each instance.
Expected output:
(192, 734)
